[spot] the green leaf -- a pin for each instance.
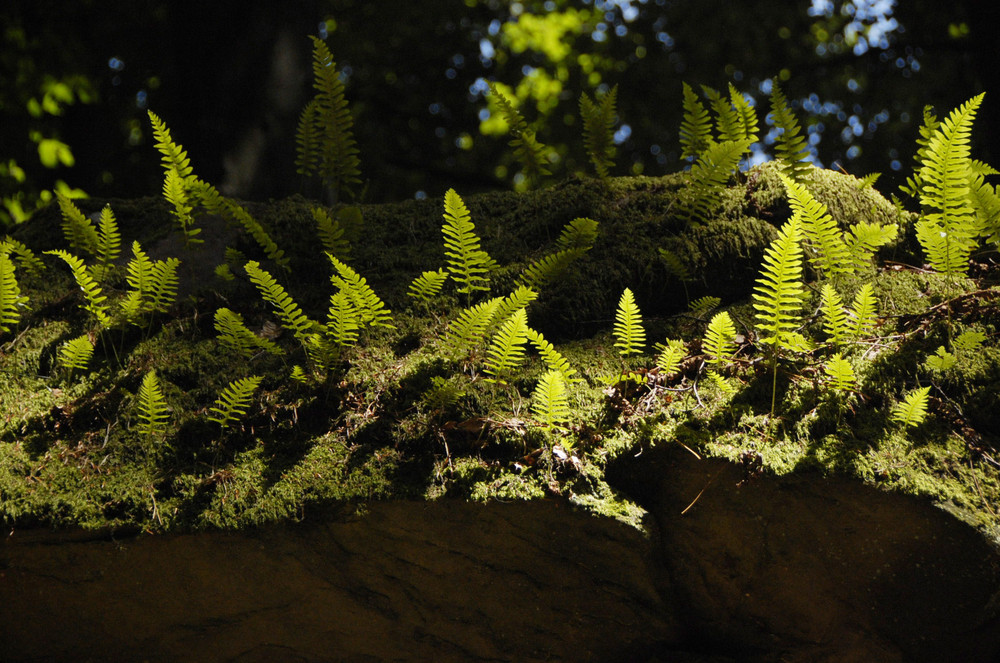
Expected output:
(599, 116)
(234, 400)
(506, 351)
(696, 127)
(338, 163)
(913, 410)
(941, 360)
(426, 286)
(234, 334)
(152, 407)
(778, 292)
(834, 315)
(468, 264)
(554, 360)
(719, 342)
(288, 311)
(790, 146)
(174, 156)
(91, 290)
(671, 354)
(369, 309)
(11, 299)
(864, 312)
(841, 373)
(630, 337)
(75, 353)
(550, 400)
(831, 255)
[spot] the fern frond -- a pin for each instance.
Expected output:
(630, 337)
(834, 315)
(506, 351)
(308, 138)
(708, 177)
(174, 156)
(554, 360)
(550, 400)
(78, 230)
(139, 276)
(550, 267)
(865, 238)
(469, 327)
(11, 299)
(913, 410)
(234, 334)
(527, 149)
(152, 406)
(468, 264)
(163, 292)
(75, 353)
(831, 253)
(91, 290)
(704, 304)
(234, 400)
(928, 127)
(371, 310)
(339, 163)
(442, 394)
(969, 341)
(720, 339)
(727, 120)
(331, 234)
(941, 360)
(696, 127)
(288, 311)
(868, 181)
(778, 292)
(175, 192)
(520, 297)
(746, 115)
(580, 233)
(25, 256)
(671, 355)
(238, 213)
(426, 286)
(675, 265)
(864, 311)
(986, 203)
(599, 116)
(343, 320)
(789, 146)
(722, 384)
(841, 373)
(298, 374)
(109, 242)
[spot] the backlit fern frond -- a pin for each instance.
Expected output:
(708, 178)
(234, 400)
(338, 155)
(527, 149)
(727, 121)
(746, 115)
(91, 290)
(426, 286)
(152, 406)
(834, 316)
(164, 285)
(506, 350)
(288, 311)
(720, 339)
(176, 193)
(864, 239)
(928, 127)
(790, 146)
(864, 312)
(704, 304)
(630, 337)
(520, 297)
(468, 264)
(986, 202)
(343, 323)
(670, 356)
(778, 292)
(371, 310)
(153, 282)
(469, 327)
(580, 233)
(840, 373)
(75, 353)
(174, 156)
(599, 116)
(831, 253)
(78, 230)
(11, 299)
(24, 255)
(550, 400)
(238, 213)
(308, 140)
(550, 267)
(109, 242)
(554, 360)
(696, 127)
(913, 410)
(331, 234)
(234, 334)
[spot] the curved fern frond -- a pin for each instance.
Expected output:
(831, 253)
(11, 299)
(696, 127)
(234, 334)
(174, 156)
(550, 400)
(746, 115)
(720, 339)
(468, 264)
(790, 146)
(426, 286)
(671, 355)
(778, 292)
(527, 149)
(234, 400)
(308, 139)
(75, 353)
(338, 163)
(929, 125)
(599, 116)
(834, 315)
(470, 326)
(506, 350)
(840, 373)
(867, 238)
(703, 305)
(580, 233)
(331, 234)
(25, 256)
(152, 407)
(708, 177)
(630, 337)
(913, 410)
(864, 312)
(238, 213)
(109, 242)
(727, 120)
(371, 310)
(91, 290)
(78, 230)
(176, 193)
(554, 360)
(288, 311)
(164, 285)
(520, 298)
(343, 324)
(550, 267)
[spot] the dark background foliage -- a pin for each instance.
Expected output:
(230, 78)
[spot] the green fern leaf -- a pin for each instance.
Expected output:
(343, 322)
(25, 256)
(468, 264)
(941, 360)
(790, 146)
(840, 373)
(554, 360)
(696, 127)
(234, 334)
(834, 315)
(470, 326)
(863, 312)
(986, 203)
(868, 181)
(308, 139)
(527, 149)
(778, 291)
(724, 386)
(831, 253)
(174, 156)
(671, 355)
(239, 214)
(234, 400)
(727, 120)
(108, 244)
(928, 127)
(331, 234)
(550, 267)
(299, 375)
(708, 178)
(506, 351)
(338, 163)
(580, 233)
(913, 410)
(11, 299)
(550, 400)
(520, 297)
(152, 407)
(703, 305)
(599, 116)
(78, 230)
(426, 286)
(675, 265)
(864, 239)
(969, 341)
(175, 192)
(746, 116)
(75, 353)
(288, 311)
(719, 342)
(630, 337)
(371, 310)
(164, 285)
(91, 290)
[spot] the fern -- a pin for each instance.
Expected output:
(442, 395)
(78, 230)
(941, 360)
(468, 264)
(506, 351)
(307, 140)
(866, 238)
(288, 311)
(840, 373)
(868, 181)
(11, 299)
(337, 156)
(164, 285)
(469, 327)
(778, 291)
(746, 115)
(789, 146)
(75, 353)
(238, 213)
(550, 400)
(703, 305)
(91, 290)
(25, 256)
(371, 310)
(708, 178)
(727, 120)
(177, 177)
(108, 244)
(580, 233)
(174, 156)
(152, 407)
(719, 342)
(671, 354)
(722, 384)
(331, 234)
(234, 334)
(343, 323)
(426, 286)
(527, 149)
(550, 267)
(834, 316)
(928, 127)
(554, 360)
(969, 341)
(234, 400)
(696, 127)
(913, 410)
(675, 265)
(831, 253)
(521, 296)
(863, 312)
(599, 116)
(986, 203)
(153, 282)
(630, 337)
